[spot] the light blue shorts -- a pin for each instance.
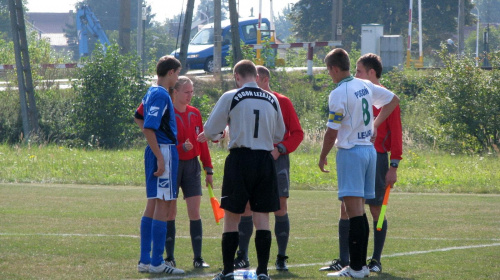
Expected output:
(165, 186)
(356, 171)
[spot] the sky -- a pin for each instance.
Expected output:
(162, 8)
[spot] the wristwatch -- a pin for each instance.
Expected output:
(395, 165)
(280, 149)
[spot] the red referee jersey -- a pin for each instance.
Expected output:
(293, 133)
(189, 125)
(390, 135)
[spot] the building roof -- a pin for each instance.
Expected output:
(51, 25)
(50, 22)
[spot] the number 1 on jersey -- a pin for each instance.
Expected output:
(256, 127)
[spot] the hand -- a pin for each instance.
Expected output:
(201, 137)
(322, 163)
(391, 176)
(187, 145)
(275, 153)
(161, 167)
(209, 180)
(374, 135)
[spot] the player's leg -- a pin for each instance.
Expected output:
(230, 239)
(375, 208)
(264, 199)
(166, 191)
(233, 200)
(262, 241)
(343, 230)
(171, 232)
(145, 234)
(352, 166)
(245, 229)
(282, 222)
(379, 237)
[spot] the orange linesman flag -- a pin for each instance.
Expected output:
(218, 212)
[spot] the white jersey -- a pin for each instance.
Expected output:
(351, 113)
(253, 116)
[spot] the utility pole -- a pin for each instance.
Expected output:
(186, 32)
(217, 39)
(29, 112)
(139, 29)
(235, 34)
(124, 33)
(337, 20)
(461, 23)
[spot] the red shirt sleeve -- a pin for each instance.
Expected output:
(293, 133)
(390, 134)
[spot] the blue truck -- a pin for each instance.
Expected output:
(200, 53)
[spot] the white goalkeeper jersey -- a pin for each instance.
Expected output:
(351, 112)
(253, 116)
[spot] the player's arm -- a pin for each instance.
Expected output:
(292, 123)
(218, 118)
(328, 142)
(155, 148)
(394, 124)
(385, 111)
(205, 158)
(139, 116)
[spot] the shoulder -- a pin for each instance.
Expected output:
(193, 109)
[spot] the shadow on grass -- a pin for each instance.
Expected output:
(388, 276)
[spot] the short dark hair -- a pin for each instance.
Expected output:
(165, 64)
(263, 71)
(372, 61)
(245, 68)
(338, 57)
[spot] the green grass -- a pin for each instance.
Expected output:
(51, 231)
(420, 171)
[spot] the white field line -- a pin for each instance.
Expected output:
(290, 265)
(141, 188)
(412, 253)
(384, 256)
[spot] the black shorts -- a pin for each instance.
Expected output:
(250, 175)
(189, 177)
(382, 168)
(283, 173)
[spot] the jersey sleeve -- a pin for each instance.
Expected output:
(336, 110)
(294, 133)
(205, 158)
(139, 112)
(219, 117)
(153, 113)
(394, 124)
(381, 95)
(280, 125)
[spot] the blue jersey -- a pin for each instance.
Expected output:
(159, 115)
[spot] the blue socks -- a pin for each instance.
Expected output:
(146, 240)
(159, 229)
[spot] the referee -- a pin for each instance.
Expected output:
(255, 125)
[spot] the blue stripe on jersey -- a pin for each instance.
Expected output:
(253, 93)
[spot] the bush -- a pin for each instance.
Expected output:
(108, 88)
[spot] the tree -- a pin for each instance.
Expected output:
(108, 90)
(283, 24)
(206, 10)
(489, 10)
(312, 19)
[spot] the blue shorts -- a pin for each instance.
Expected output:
(165, 186)
(356, 171)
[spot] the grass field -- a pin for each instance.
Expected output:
(420, 171)
(50, 231)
